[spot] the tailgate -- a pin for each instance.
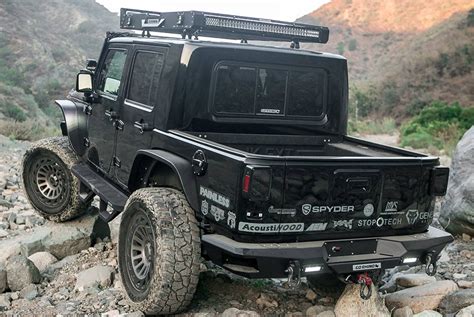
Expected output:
(355, 196)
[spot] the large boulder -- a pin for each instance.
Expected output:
(458, 300)
(420, 298)
(97, 276)
(351, 304)
(457, 209)
(3, 278)
(21, 272)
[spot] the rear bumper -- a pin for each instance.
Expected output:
(260, 260)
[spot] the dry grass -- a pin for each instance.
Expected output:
(28, 130)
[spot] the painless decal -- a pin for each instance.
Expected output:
(379, 222)
(270, 227)
(412, 216)
(343, 223)
(307, 208)
(317, 227)
(368, 266)
(231, 219)
(218, 213)
(204, 207)
(369, 210)
(215, 197)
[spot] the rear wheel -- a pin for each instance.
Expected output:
(159, 251)
(49, 185)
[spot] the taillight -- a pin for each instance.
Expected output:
(439, 181)
(256, 182)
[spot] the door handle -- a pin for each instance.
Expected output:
(111, 114)
(142, 126)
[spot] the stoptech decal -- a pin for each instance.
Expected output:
(215, 197)
(367, 266)
(271, 227)
(307, 208)
(379, 222)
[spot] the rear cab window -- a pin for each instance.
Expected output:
(252, 90)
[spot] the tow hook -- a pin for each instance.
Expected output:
(365, 282)
(294, 274)
(431, 266)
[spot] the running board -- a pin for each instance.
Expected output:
(109, 195)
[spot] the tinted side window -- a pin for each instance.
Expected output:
(111, 73)
(145, 76)
(235, 89)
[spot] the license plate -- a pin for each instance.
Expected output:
(367, 266)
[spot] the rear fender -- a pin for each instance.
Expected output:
(75, 125)
(146, 160)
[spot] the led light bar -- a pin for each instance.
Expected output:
(410, 260)
(315, 268)
(193, 23)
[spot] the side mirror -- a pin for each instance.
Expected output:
(84, 82)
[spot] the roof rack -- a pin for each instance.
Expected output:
(190, 24)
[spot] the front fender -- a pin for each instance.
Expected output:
(181, 167)
(76, 124)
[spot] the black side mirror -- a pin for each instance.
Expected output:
(91, 65)
(84, 82)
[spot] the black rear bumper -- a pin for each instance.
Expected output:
(260, 260)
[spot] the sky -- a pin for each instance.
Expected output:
(268, 9)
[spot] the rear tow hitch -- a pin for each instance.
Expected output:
(365, 282)
(431, 266)
(294, 274)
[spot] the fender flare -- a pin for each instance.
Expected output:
(180, 166)
(76, 125)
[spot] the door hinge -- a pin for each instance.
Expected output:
(87, 143)
(88, 110)
(116, 161)
(119, 125)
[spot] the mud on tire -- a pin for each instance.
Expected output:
(47, 180)
(159, 251)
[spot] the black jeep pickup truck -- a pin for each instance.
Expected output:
(235, 152)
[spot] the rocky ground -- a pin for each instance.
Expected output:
(72, 269)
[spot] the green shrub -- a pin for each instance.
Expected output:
(13, 111)
(29, 130)
(340, 48)
(362, 102)
(352, 45)
(373, 126)
(438, 125)
(470, 18)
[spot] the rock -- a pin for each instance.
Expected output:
(466, 237)
(97, 276)
(420, 298)
(21, 272)
(29, 292)
(294, 314)
(465, 284)
(457, 300)
(265, 301)
(459, 276)
(466, 312)
(42, 260)
(234, 312)
(310, 295)
(317, 309)
(114, 228)
(457, 209)
(3, 233)
(351, 304)
(133, 314)
(411, 280)
(3, 279)
(403, 312)
(60, 264)
(5, 302)
(111, 313)
(327, 313)
(428, 313)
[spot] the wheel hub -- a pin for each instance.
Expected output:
(49, 179)
(142, 251)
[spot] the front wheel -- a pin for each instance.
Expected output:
(47, 180)
(159, 251)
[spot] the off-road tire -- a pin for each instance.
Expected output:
(56, 152)
(172, 247)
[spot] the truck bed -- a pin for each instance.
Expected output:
(306, 146)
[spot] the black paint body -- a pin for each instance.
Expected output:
(313, 163)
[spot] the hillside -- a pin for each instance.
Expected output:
(403, 54)
(42, 46)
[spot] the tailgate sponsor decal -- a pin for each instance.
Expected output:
(367, 266)
(218, 213)
(317, 226)
(282, 211)
(369, 210)
(412, 216)
(307, 208)
(270, 227)
(392, 206)
(379, 222)
(215, 197)
(204, 207)
(343, 223)
(231, 219)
